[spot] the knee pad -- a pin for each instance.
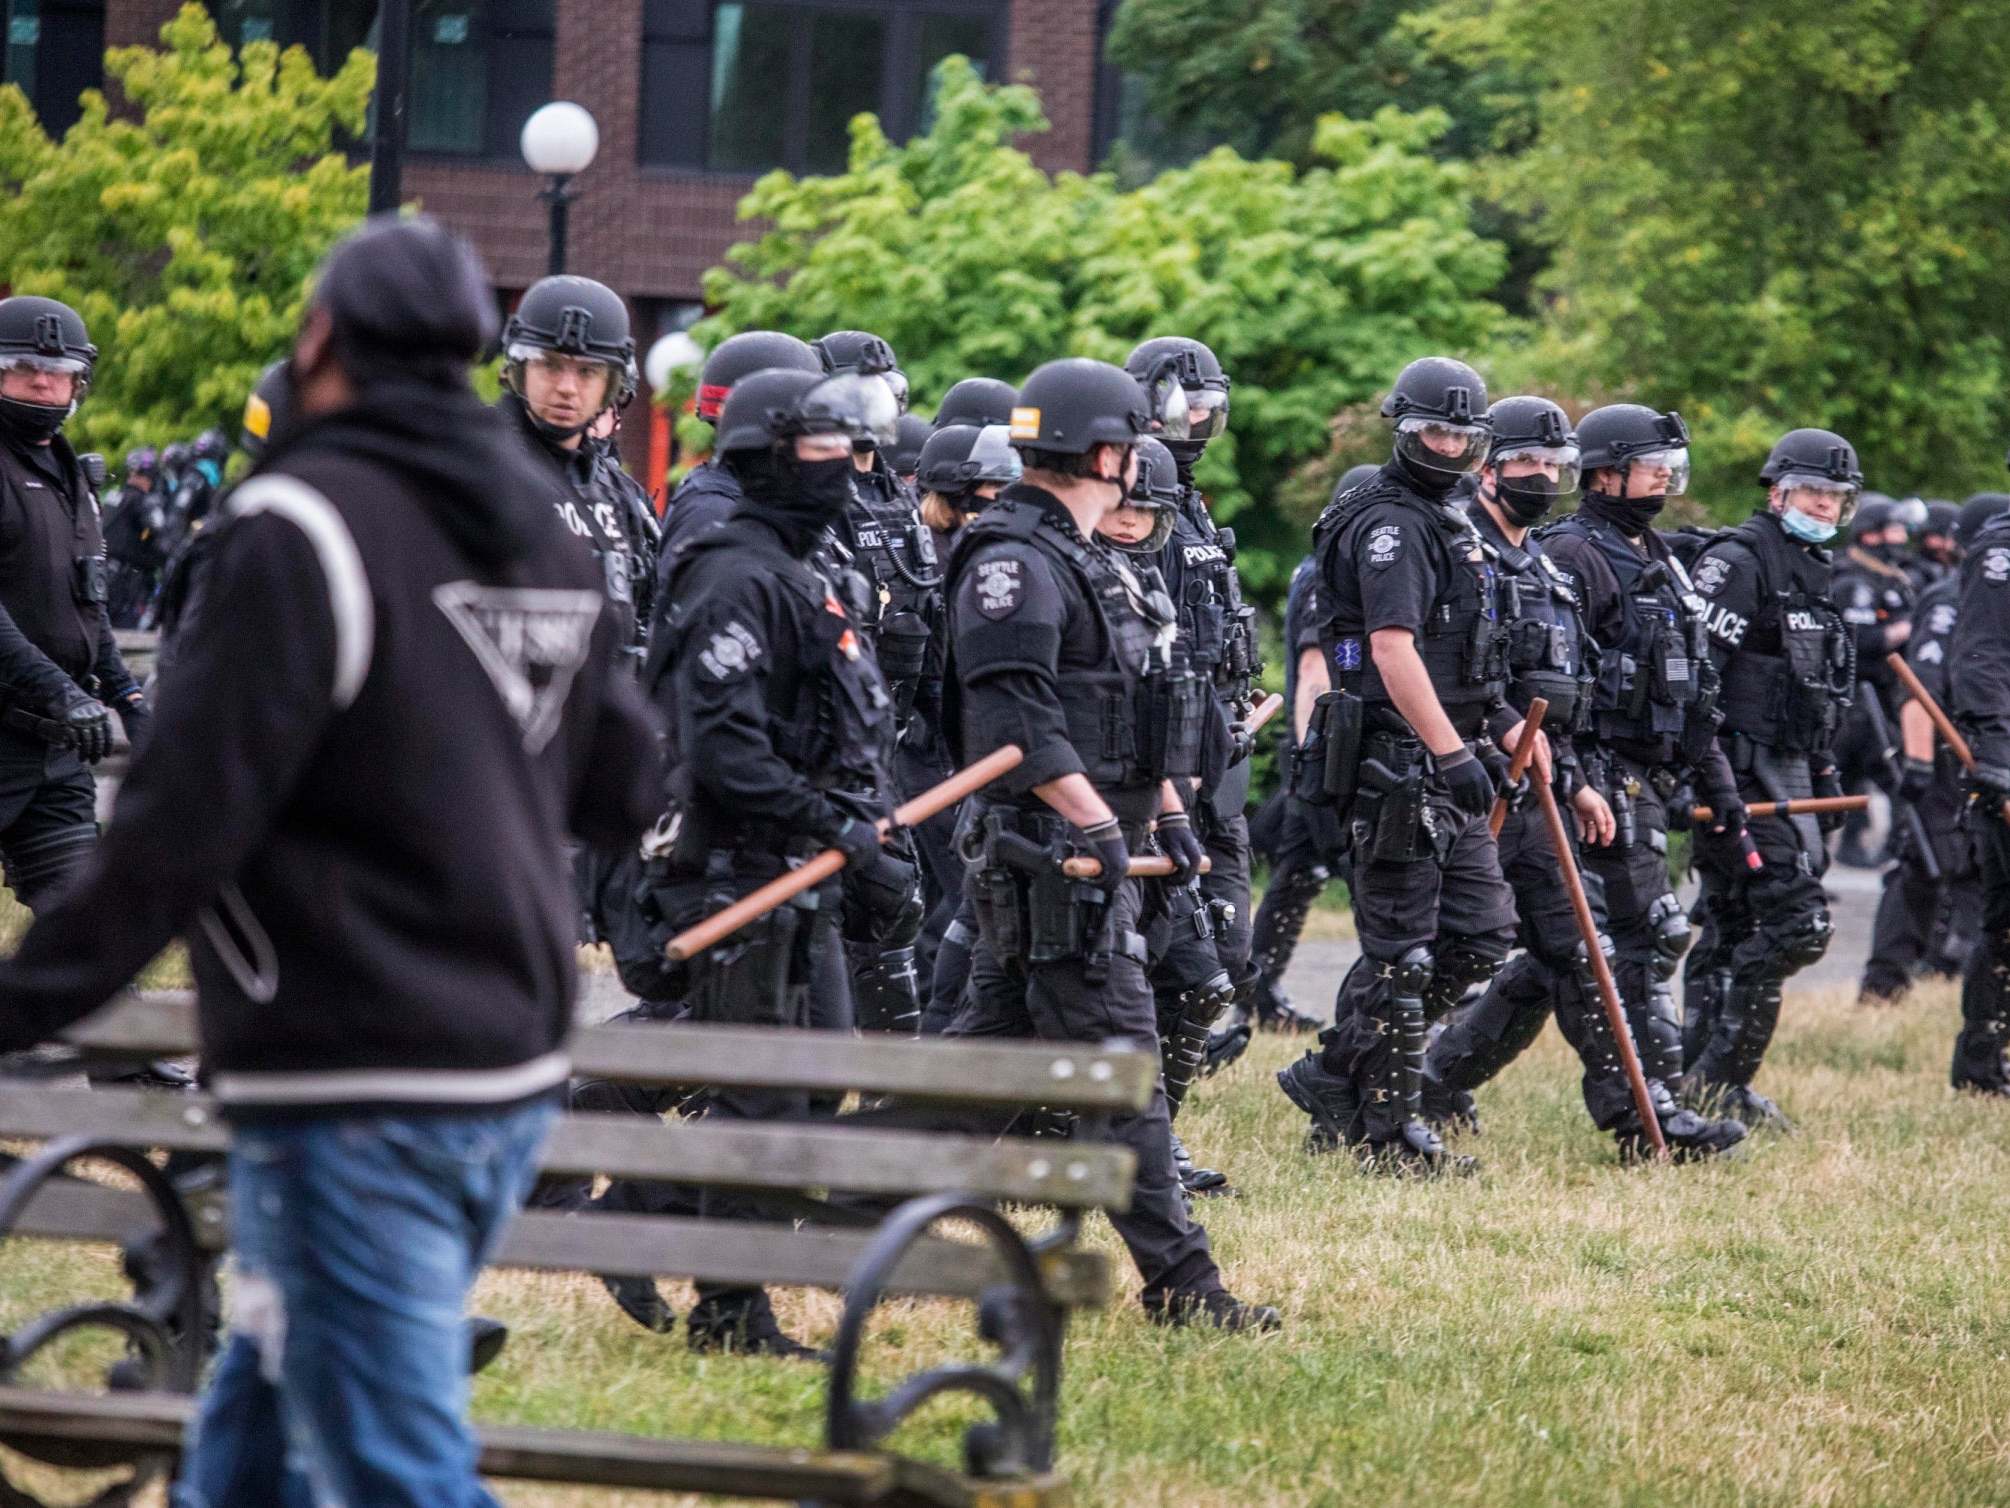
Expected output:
(882, 903)
(1411, 975)
(1672, 935)
(1463, 962)
(886, 993)
(1806, 941)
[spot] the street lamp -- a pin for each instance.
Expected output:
(559, 140)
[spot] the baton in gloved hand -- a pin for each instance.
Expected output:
(1804, 806)
(814, 871)
(1524, 753)
(1941, 721)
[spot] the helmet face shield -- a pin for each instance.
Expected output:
(992, 458)
(1530, 478)
(1674, 461)
(1206, 413)
(1433, 445)
(1797, 489)
(851, 403)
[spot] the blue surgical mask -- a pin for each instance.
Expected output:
(1807, 528)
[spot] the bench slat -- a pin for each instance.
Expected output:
(798, 1155)
(962, 1071)
(153, 1423)
(638, 1245)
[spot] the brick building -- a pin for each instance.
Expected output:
(694, 98)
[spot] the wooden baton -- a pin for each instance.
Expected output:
(1941, 721)
(1608, 990)
(1524, 754)
(814, 871)
(1805, 806)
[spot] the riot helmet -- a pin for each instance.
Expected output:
(1623, 436)
(909, 435)
(959, 457)
(1937, 538)
(1867, 524)
(978, 401)
(46, 355)
(863, 352)
(749, 351)
(1069, 407)
(1167, 360)
(566, 323)
(1807, 464)
(1977, 514)
(1440, 409)
(268, 410)
(765, 408)
(142, 461)
(1155, 491)
(1536, 434)
(1355, 476)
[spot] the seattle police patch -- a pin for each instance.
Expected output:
(1347, 654)
(1001, 587)
(1712, 574)
(732, 652)
(1385, 543)
(1996, 566)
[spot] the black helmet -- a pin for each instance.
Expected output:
(909, 435)
(1620, 434)
(958, 457)
(1805, 457)
(1157, 488)
(1069, 407)
(1873, 512)
(1197, 371)
(1978, 513)
(978, 401)
(142, 460)
(268, 409)
(766, 407)
(1355, 476)
(749, 351)
(44, 335)
(1440, 409)
(862, 351)
(1909, 511)
(573, 316)
(1941, 516)
(1536, 429)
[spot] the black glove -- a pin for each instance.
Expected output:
(136, 716)
(1991, 785)
(1471, 788)
(857, 840)
(1107, 841)
(1828, 782)
(1728, 813)
(1915, 780)
(1177, 838)
(88, 723)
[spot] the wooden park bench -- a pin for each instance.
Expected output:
(1023, 1289)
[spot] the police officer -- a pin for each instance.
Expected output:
(1980, 682)
(59, 666)
(567, 359)
(641, 529)
(1532, 461)
(903, 459)
(1412, 633)
(1305, 844)
(1180, 924)
(1871, 588)
(1653, 717)
(1788, 663)
(1217, 635)
(1929, 921)
(1938, 555)
(781, 731)
(1059, 645)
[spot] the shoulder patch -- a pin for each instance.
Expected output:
(1941, 619)
(1931, 653)
(1996, 565)
(1384, 545)
(1001, 587)
(732, 652)
(1711, 575)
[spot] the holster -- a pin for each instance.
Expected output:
(1326, 767)
(1391, 816)
(1029, 911)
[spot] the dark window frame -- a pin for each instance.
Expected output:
(678, 33)
(68, 58)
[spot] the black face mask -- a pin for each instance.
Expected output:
(1429, 480)
(799, 498)
(1634, 515)
(1186, 455)
(1526, 500)
(32, 423)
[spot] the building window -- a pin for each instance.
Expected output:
(740, 86)
(55, 51)
(479, 67)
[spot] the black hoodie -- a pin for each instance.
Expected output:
(374, 740)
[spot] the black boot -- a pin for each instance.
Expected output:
(744, 1325)
(1197, 1181)
(1274, 1012)
(486, 1339)
(641, 1301)
(1688, 1136)
(1217, 1308)
(1329, 1100)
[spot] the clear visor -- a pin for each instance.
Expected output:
(1554, 469)
(846, 402)
(1206, 414)
(1121, 528)
(1909, 511)
(897, 380)
(1674, 462)
(57, 366)
(1170, 409)
(1454, 449)
(1807, 486)
(992, 458)
(558, 362)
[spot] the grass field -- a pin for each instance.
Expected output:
(1824, 1320)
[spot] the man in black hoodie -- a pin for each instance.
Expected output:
(357, 829)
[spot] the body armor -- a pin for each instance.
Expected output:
(1549, 654)
(1786, 685)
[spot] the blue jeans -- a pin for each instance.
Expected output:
(355, 1240)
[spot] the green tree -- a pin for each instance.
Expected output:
(1313, 285)
(1769, 216)
(185, 230)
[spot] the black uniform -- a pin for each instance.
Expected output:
(1980, 682)
(1054, 646)
(55, 637)
(1648, 736)
(1433, 912)
(1788, 663)
(1870, 593)
(1928, 924)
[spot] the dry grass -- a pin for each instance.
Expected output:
(1822, 1321)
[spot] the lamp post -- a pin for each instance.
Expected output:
(559, 141)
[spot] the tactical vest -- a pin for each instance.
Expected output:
(1135, 718)
(886, 541)
(1549, 654)
(52, 560)
(1786, 686)
(1217, 629)
(1656, 681)
(1462, 642)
